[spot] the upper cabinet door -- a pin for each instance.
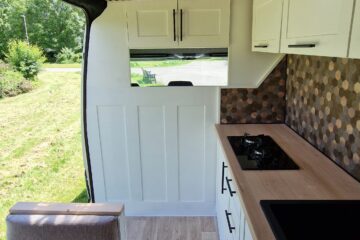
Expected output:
(204, 23)
(317, 27)
(355, 36)
(267, 15)
(151, 24)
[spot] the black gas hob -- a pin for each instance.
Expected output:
(260, 152)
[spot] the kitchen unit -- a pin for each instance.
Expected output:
(248, 188)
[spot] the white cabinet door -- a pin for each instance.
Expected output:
(247, 233)
(317, 27)
(151, 24)
(266, 32)
(204, 23)
(355, 36)
(222, 197)
(236, 218)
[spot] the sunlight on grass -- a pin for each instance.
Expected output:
(40, 144)
(56, 65)
(162, 63)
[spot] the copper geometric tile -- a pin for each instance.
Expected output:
(323, 106)
(265, 104)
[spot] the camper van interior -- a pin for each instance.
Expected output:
(215, 119)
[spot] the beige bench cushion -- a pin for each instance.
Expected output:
(62, 227)
(99, 209)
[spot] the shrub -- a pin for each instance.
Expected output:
(67, 55)
(13, 83)
(3, 67)
(25, 58)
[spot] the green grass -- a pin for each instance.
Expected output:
(147, 64)
(58, 65)
(40, 144)
(137, 78)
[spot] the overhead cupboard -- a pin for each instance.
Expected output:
(309, 27)
(267, 16)
(355, 35)
(178, 24)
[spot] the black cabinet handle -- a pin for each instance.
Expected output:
(231, 228)
(223, 178)
(181, 24)
(261, 46)
(309, 45)
(174, 22)
(228, 180)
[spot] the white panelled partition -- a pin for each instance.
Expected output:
(154, 148)
(157, 150)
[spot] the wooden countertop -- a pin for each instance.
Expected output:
(318, 177)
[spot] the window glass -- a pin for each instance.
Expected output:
(193, 69)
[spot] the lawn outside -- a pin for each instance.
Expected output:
(40, 144)
(60, 65)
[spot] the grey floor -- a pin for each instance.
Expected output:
(171, 228)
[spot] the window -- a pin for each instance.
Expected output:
(196, 67)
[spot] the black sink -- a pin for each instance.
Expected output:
(310, 220)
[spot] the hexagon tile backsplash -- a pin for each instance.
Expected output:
(265, 104)
(323, 106)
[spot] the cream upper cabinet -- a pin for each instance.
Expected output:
(267, 15)
(204, 23)
(178, 24)
(316, 27)
(355, 36)
(151, 24)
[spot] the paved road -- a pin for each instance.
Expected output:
(200, 73)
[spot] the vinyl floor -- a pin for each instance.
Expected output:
(171, 228)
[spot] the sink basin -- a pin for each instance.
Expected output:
(312, 219)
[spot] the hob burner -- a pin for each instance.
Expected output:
(260, 153)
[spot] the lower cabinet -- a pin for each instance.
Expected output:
(230, 215)
(247, 233)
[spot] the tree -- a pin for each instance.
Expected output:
(11, 26)
(52, 24)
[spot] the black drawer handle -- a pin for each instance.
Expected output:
(223, 178)
(261, 46)
(231, 228)
(310, 45)
(228, 180)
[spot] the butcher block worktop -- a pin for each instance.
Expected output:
(318, 178)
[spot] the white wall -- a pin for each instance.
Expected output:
(155, 148)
